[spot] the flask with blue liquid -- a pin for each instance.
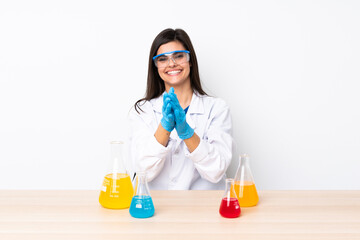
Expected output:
(141, 204)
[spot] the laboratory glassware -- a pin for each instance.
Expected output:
(141, 204)
(229, 207)
(117, 190)
(244, 183)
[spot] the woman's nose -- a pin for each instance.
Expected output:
(172, 62)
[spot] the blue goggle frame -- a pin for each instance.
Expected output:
(167, 53)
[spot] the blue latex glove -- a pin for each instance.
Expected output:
(168, 119)
(183, 129)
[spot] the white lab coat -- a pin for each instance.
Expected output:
(173, 167)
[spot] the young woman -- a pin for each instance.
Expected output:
(179, 135)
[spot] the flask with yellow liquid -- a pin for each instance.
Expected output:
(117, 190)
(244, 183)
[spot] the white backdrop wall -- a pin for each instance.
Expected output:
(289, 70)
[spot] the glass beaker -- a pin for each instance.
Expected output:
(229, 206)
(117, 190)
(141, 204)
(244, 183)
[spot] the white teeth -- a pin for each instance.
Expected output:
(173, 72)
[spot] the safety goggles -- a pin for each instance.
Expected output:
(178, 57)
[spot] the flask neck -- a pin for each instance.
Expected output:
(228, 183)
(116, 162)
(243, 174)
(244, 160)
(141, 178)
(142, 188)
(229, 188)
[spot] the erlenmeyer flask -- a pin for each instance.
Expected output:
(244, 183)
(141, 205)
(229, 206)
(117, 190)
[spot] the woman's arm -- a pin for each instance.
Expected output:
(192, 143)
(146, 152)
(213, 154)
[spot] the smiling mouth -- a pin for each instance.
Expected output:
(174, 72)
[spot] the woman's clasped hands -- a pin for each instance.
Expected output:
(174, 116)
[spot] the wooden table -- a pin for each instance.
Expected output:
(182, 215)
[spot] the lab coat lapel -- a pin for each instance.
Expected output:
(196, 107)
(158, 103)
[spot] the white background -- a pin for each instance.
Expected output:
(70, 70)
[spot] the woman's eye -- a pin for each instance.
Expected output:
(179, 56)
(162, 59)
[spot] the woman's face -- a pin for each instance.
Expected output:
(174, 74)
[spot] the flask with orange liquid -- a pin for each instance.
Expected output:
(244, 183)
(117, 190)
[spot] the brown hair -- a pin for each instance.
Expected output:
(155, 85)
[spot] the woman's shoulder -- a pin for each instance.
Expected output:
(213, 101)
(140, 108)
(145, 107)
